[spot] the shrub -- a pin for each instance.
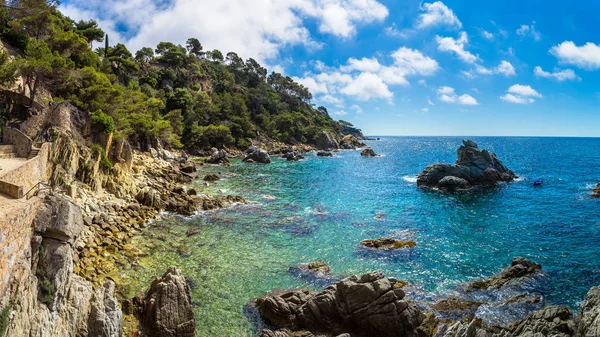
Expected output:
(4, 319)
(102, 122)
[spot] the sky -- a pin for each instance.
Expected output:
(399, 67)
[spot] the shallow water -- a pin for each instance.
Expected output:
(323, 207)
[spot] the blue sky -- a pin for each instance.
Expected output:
(400, 67)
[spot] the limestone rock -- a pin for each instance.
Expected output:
(589, 314)
(360, 306)
(59, 219)
(167, 307)
(473, 166)
(326, 141)
(258, 156)
(105, 314)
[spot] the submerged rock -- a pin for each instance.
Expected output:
(359, 306)
(388, 244)
(211, 177)
(167, 307)
(368, 153)
(519, 269)
(473, 166)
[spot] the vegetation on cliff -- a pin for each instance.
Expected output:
(182, 96)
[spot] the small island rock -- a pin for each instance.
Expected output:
(368, 152)
(258, 155)
(388, 244)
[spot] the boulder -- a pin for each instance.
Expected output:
(350, 142)
(218, 157)
(326, 141)
(293, 156)
(359, 306)
(519, 269)
(388, 244)
(167, 307)
(105, 314)
(473, 166)
(324, 154)
(59, 219)
(589, 314)
(258, 156)
(188, 167)
(596, 191)
(368, 153)
(555, 321)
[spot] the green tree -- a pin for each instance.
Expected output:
(194, 47)
(37, 65)
(90, 30)
(144, 55)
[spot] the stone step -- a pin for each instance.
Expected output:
(8, 155)
(33, 153)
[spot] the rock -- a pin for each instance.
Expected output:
(456, 308)
(589, 314)
(167, 307)
(59, 219)
(326, 141)
(150, 197)
(219, 201)
(596, 191)
(324, 154)
(105, 314)
(388, 244)
(184, 251)
(350, 142)
(473, 166)
(211, 177)
(317, 267)
(188, 167)
(453, 183)
(218, 157)
(368, 153)
(359, 306)
(258, 156)
(550, 321)
(293, 156)
(519, 269)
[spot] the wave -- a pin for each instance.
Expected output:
(410, 179)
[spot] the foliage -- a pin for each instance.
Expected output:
(180, 96)
(102, 122)
(103, 158)
(4, 319)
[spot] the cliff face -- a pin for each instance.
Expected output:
(47, 299)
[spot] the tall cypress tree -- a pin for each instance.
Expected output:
(106, 46)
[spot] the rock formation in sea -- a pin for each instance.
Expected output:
(596, 191)
(257, 155)
(327, 141)
(350, 142)
(324, 154)
(368, 152)
(474, 166)
(388, 244)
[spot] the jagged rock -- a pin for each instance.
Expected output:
(388, 244)
(553, 321)
(54, 269)
(211, 177)
(167, 307)
(457, 307)
(519, 269)
(59, 219)
(258, 156)
(350, 142)
(218, 157)
(293, 156)
(324, 154)
(589, 314)
(368, 153)
(596, 191)
(150, 197)
(105, 314)
(326, 141)
(473, 165)
(219, 201)
(360, 306)
(188, 167)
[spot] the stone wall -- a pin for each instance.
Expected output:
(15, 238)
(29, 174)
(23, 144)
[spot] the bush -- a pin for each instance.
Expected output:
(102, 122)
(211, 136)
(104, 159)
(4, 319)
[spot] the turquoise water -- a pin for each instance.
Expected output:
(323, 208)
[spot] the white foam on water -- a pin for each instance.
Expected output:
(410, 179)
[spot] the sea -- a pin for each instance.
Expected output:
(320, 208)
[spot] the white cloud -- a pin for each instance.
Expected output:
(457, 46)
(340, 113)
(517, 99)
(559, 75)
(422, 82)
(586, 56)
(521, 94)
(429, 101)
(367, 86)
(332, 100)
(524, 90)
(448, 95)
(526, 30)
(425, 109)
(250, 30)
(368, 78)
(504, 68)
(357, 108)
(436, 14)
(312, 85)
(487, 35)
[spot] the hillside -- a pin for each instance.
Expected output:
(178, 96)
